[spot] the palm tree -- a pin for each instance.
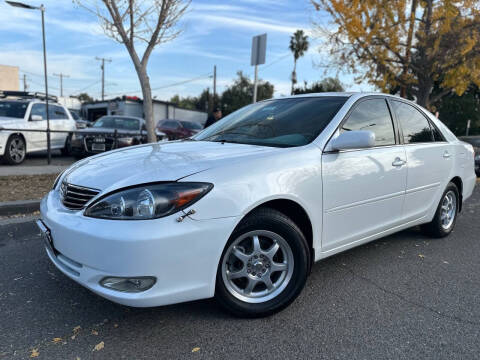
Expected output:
(298, 46)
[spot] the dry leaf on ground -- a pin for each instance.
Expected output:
(34, 353)
(99, 346)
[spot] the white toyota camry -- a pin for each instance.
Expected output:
(243, 209)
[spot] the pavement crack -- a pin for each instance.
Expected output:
(411, 302)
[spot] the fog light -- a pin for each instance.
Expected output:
(132, 285)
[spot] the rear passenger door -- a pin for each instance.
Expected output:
(363, 189)
(429, 159)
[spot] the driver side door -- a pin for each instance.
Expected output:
(363, 189)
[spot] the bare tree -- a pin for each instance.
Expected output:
(135, 21)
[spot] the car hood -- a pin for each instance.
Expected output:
(156, 162)
(93, 131)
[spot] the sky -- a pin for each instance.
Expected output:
(214, 32)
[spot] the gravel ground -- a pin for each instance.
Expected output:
(25, 187)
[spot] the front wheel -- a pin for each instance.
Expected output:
(446, 215)
(67, 149)
(264, 265)
(16, 150)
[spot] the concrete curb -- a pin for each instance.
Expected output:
(19, 207)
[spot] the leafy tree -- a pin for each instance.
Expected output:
(408, 44)
(84, 97)
(203, 102)
(131, 22)
(326, 85)
(298, 46)
(456, 110)
(240, 93)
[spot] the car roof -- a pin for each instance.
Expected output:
(122, 117)
(29, 101)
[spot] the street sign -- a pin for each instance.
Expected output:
(259, 49)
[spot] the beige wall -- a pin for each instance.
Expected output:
(9, 78)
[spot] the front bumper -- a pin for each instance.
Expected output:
(182, 256)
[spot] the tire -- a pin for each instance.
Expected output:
(446, 215)
(281, 258)
(67, 149)
(15, 151)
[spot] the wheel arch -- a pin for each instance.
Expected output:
(459, 184)
(296, 213)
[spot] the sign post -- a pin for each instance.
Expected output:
(259, 49)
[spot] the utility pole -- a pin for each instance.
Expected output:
(103, 73)
(25, 86)
(214, 84)
(61, 76)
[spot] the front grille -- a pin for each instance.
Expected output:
(90, 140)
(75, 197)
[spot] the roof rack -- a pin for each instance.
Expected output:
(27, 95)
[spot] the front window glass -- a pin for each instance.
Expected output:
(39, 109)
(280, 122)
(111, 122)
(14, 109)
(372, 115)
(415, 126)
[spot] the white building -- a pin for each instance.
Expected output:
(133, 106)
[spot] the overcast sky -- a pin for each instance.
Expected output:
(214, 32)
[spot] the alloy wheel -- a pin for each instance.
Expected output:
(448, 210)
(257, 266)
(17, 150)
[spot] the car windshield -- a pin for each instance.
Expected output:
(279, 122)
(191, 125)
(119, 123)
(14, 109)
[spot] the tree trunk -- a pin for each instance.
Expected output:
(294, 76)
(423, 93)
(147, 104)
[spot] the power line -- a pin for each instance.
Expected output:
(166, 86)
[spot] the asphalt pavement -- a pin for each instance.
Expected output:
(36, 164)
(402, 297)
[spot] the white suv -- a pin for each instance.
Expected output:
(28, 111)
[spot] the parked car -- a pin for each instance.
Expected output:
(27, 111)
(110, 132)
(475, 142)
(81, 123)
(178, 129)
(243, 209)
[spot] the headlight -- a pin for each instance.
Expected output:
(149, 201)
(77, 136)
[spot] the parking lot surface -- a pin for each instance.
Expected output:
(402, 297)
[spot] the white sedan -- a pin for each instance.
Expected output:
(243, 209)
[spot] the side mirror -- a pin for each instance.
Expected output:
(36, 117)
(356, 139)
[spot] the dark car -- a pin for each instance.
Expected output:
(108, 133)
(475, 142)
(178, 129)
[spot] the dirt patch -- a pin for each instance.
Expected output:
(25, 187)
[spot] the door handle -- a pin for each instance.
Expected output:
(398, 162)
(446, 154)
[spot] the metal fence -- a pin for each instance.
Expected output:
(116, 134)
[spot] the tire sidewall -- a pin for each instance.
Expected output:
(437, 220)
(283, 226)
(7, 150)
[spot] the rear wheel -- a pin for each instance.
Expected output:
(264, 265)
(16, 150)
(67, 149)
(446, 214)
